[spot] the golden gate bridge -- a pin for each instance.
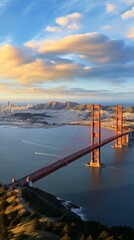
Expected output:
(122, 138)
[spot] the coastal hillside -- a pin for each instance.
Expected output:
(55, 106)
(58, 113)
(60, 106)
(29, 213)
(74, 106)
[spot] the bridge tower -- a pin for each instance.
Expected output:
(119, 126)
(95, 135)
(126, 138)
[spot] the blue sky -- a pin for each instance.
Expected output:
(78, 50)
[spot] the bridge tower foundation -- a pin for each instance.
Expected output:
(95, 136)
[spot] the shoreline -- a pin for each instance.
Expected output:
(36, 125)
(47, 126)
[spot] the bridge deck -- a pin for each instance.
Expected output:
(35, 176)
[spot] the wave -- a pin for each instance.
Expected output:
(40, 145)
(46, 154)
(74, 208)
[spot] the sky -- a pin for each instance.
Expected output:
(60, 50)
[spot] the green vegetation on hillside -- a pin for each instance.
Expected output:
(31, 117)
(29, 213)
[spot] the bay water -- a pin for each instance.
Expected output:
(106, 194)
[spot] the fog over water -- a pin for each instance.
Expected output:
(106, 194)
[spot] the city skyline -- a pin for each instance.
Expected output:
(58, 50)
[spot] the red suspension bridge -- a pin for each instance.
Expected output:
(121, 138)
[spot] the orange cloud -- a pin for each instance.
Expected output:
(130, 33)
(111, 8)
(65, 20)
(70, 22)
(25, 69)
(10, 53)
(55, 60)
(92, 46)
(74, 43)
(95, 47)
(53, 29)
(128, 14)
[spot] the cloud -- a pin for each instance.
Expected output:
(99, 94)
(44, 93)
(53, 29)
(107, 27)
(128, 14)
(65, 20)
(94, 47)
(130, 33)
(13, 91)
(6, 40)
(64, 91)
(129, 1)
(4, 4)
(24, 68)
(70, 22)
(111, 8)
(64, 60)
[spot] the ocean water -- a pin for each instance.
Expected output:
(106, 195)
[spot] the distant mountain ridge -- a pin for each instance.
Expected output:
(54, 105)
(74, 106)
(60, 106)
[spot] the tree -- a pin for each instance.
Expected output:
(104, 235)
(110, 238)
(3, 221)
(65, 237)
(90, 237)
(82, 237)
(20, 236)
(66, 229)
